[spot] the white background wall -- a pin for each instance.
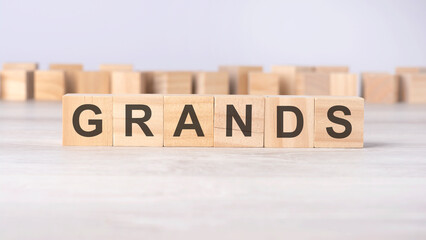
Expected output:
(192, 35)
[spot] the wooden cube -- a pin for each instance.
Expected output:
(239, 121)
(17, 85)
(288, 76)
(332, 69)
(263, 83)
(405, 70)
(93, 82)
(343, 84)
(313, 84)
(127, 83)
(380, 87)
(138, 120)
(87, 120)
(71, 71)
(116, 67)
(289, 121)
(211, 83)
(20, 66)
(148, 79)
(173, 82)
(238, 77)
(49, 85)
(339, 122)
(188, 121)
(413, 88)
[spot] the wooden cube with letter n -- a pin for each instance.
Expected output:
(188, 121)
(289, 121)
(138, 120)
(49, 85)
(239, 121)
(339, 122)
(17, 85)
(87, 120)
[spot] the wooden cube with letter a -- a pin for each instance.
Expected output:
(313, 84)
(289, 121)
(71, 71)
(238, 77)
(87, 120)
(413, 88)
(127, 83)
(211, 83)
(172, 82)
(93, 82)
(239, 121)
(49, 85)
(339, 122)
(138, 120)
(343, 84)
(260, 83)
(17, 85)
(380, 87)
(28, 66)
(288, 75)
(188, 121)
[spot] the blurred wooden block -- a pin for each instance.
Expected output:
(211, 83)
(288, 75)
(138, 120)
(49, 85)
(17, 85)
(313, 84)
(127, 83)
(87, 120)
(116, 67)
(343, 84)
(238, 77)
(263, 83)
(289, 122)
(172, 82)
(20, 66)
(188, 121)
(380, 87)
(332, 69)
(148, 79)
(93, 82)
(339, 122)
(239, 121)
(71, 71)
(405, 70)
(413, 88)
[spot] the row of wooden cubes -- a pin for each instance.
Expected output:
(212, 120)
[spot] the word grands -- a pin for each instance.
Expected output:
(280, 121)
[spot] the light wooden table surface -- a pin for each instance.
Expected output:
(52, 192)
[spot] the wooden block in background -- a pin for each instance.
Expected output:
(413, 88)
(49, 85)
(339, 122)
(193, 112)
(260, 83)
(289, 121)
(172, 82)
(332, 69)
(86, 120)
(227, 131)
(380, 87)
(405, 70)
(238, 77)
(71, 71)
(148, 79)
(116, 67)
(17, 85)
(127, 83)
(288, 76)
(20, 66)
(147, 127)
(313, 84)
(211, 83)
(93, 82)
(344, 84)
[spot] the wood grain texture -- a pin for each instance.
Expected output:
(172, 82)
(49, 85)
(313, 84)
(211, 83)
(116, 67)
(93, 82)
(17, 85)
(260, 83)
(344, 84)
(70, 137)
(127, 83)
(71, 70)
(305, 139)
(28, 66)
(173, 111)
(255, 134)
(288, 76)
(154, 135)
(380, 88)
(238, 77)
(413, 88)
(322, 138)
